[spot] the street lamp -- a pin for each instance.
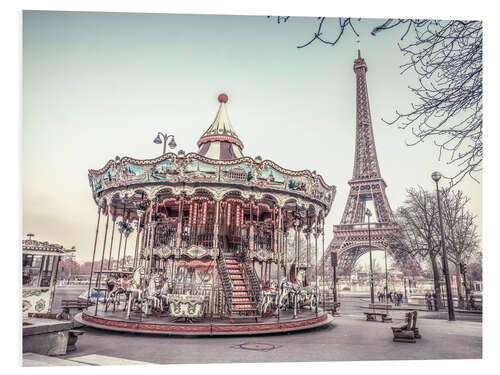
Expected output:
(162, 138)
(372, 295)
(436, 176)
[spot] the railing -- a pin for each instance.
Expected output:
(363, 226)
(226, 282)
(198, 235)
(253, 282)
(166, 235)
(263, 237)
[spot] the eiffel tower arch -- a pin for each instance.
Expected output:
(352, 236)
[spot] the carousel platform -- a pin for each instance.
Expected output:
(115, 321)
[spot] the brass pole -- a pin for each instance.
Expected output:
(93, 255)
(98, 281)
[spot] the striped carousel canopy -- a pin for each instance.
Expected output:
(220, 140)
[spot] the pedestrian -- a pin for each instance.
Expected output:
(378, 295)
(435, 300)
(472, 301)
(428, 301)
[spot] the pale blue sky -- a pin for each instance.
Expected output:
(97, 85)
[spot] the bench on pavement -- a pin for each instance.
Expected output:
(372, 316)
(409, 332)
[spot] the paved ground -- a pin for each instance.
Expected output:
(350, 337)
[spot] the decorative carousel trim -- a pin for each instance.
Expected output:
(119, 179)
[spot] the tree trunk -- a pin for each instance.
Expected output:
(437, 285)
(459, 286)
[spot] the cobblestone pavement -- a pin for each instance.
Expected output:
(349, 338)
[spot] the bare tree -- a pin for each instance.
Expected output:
(418, 218)
(446, 57)
(461, 237)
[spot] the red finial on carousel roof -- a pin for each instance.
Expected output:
(223, 98)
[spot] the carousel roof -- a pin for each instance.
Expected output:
(220, 140)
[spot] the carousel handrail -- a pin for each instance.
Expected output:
(226, 281)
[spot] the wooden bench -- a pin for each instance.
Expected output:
(372, 316)
(68, 304)
(409, 332)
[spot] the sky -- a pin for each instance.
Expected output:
(97, 85)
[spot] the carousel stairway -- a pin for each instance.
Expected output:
(242, 301)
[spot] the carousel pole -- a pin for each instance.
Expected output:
(111, 244)
(315, 234)
(143, 281)
(121, 229)
(153, 227)
(297, 239)
(95, 246)
(285, 253)
(308, 251)
(127, 233)
(98, 281)
(119, 245)
(323, 257)
(138, 234)
(280, 242)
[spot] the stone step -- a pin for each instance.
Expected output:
(240, 288)
(241, 294)
(246, 310)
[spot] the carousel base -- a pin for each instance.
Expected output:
(116, 321)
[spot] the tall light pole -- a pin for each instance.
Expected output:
(436, 176)
(372, 295)
(162, 138)
(386, 274)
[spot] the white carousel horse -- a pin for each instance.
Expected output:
(134, 290)
(289, 292)
(157, 292)
(307, 297)
(268, 299)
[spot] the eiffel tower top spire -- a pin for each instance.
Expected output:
(365, 156)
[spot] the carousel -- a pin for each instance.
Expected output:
(209, 243)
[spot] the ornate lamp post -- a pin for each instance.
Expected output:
(436, 176)
(372, 295)
(162, 138)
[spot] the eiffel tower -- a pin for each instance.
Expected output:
(351, 237)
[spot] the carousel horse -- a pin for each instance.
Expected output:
(156, 292)
(116, 287)
(289, 292)
(307, 297)
(134, 291)
(268, 303)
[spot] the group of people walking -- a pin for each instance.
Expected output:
(392, 297)
(431, 300)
